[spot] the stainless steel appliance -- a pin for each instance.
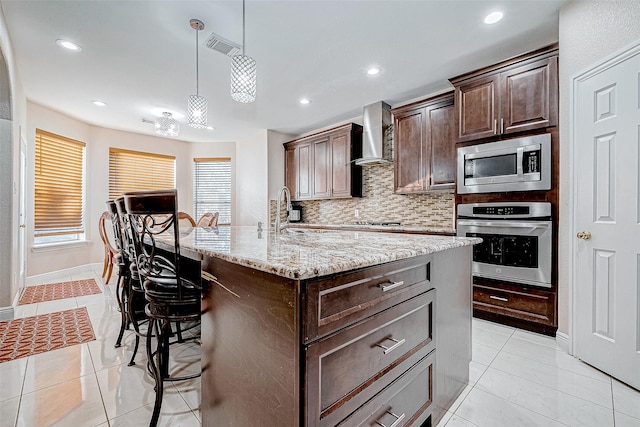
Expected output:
(519, 164)
(516, 244)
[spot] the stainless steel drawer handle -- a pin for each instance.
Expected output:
(398, 420)
(499, 298)
(397, 344)
(391, 286)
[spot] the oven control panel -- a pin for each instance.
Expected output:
(512, 210)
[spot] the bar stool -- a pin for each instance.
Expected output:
(124, 273)
(136, 302)
(110, 253)
(153, 218)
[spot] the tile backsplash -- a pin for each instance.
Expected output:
(379, 203)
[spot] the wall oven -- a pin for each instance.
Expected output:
(519, 164)
(516, 244)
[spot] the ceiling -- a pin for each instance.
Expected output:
(139, 56)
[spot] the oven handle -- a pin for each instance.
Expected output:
(505, 224)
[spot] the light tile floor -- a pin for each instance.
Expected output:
(90, 384)
(517, 378)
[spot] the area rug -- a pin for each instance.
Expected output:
(36, 334)
(54, 291)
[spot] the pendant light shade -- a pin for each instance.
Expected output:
(197, 105)
(167, 125)
(243, 73)
(243, 78)
(197, 111)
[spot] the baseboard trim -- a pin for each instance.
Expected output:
(562, 340)
(6, 313)
(59, 274)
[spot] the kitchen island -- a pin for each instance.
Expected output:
(324, 328)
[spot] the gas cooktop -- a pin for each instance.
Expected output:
(381, 223)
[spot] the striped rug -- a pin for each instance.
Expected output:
(55, 291)
(45, 332)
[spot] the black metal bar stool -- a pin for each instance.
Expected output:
(124, 273)
(153, 218)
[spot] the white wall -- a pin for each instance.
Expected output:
(98, 141)
(10, 141)
(252, 179)
(589, 32)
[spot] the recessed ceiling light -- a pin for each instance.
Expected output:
(373, 71)
(211, 128)
(304, 101)
(99, 103)
(493, 17)
(69, 45)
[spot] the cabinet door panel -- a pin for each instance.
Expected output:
(340, 166)
(304, 170)
(443, 150)
(321, 168)
(529, 98)
(291, 172)
(409, 138)
(477, 105)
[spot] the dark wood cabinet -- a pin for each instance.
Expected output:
(520, 94)
(322, 167)
(425, 150)
(336, 350)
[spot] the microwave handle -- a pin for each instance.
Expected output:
(519, 160)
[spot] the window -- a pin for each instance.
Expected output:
(59, 188)
(212, 188)
(138, 171)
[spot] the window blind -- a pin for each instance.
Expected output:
(139, 171)
(212, 187)
(59, 185)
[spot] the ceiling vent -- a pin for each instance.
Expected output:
(148, 121)
(222, 45)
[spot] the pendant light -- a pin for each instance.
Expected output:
(167, 125)
(243, 73)
(197, 105)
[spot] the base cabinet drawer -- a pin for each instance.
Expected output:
(533, 305)
(347, 298)
(405, 402)
(347, 369)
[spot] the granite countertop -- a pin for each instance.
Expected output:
(306, 253)
(418, 229)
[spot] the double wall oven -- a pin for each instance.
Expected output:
(516, 240)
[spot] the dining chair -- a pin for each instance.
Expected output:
(208, 220)
(110, 253)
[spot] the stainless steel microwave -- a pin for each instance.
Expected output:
(518, 164)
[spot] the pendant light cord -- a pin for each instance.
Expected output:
(243, 27)
(197, 76)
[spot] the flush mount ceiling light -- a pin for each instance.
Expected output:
(69, 45)
(493, 17)
(197, 105)
(243, 73)
(99, 103)
(373, 71)
(167, 125)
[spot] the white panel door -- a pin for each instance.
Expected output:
(606, 147)
(22, 216)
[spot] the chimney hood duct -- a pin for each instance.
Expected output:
(376, 142)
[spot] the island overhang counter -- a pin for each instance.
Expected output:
(324, 328)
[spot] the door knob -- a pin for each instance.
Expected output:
(584, 235)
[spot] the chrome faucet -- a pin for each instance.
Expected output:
(287, 193)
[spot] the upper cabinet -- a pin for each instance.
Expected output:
(424, 146)
(520, 94)
(321, 166)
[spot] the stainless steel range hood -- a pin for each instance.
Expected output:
(376, 140)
